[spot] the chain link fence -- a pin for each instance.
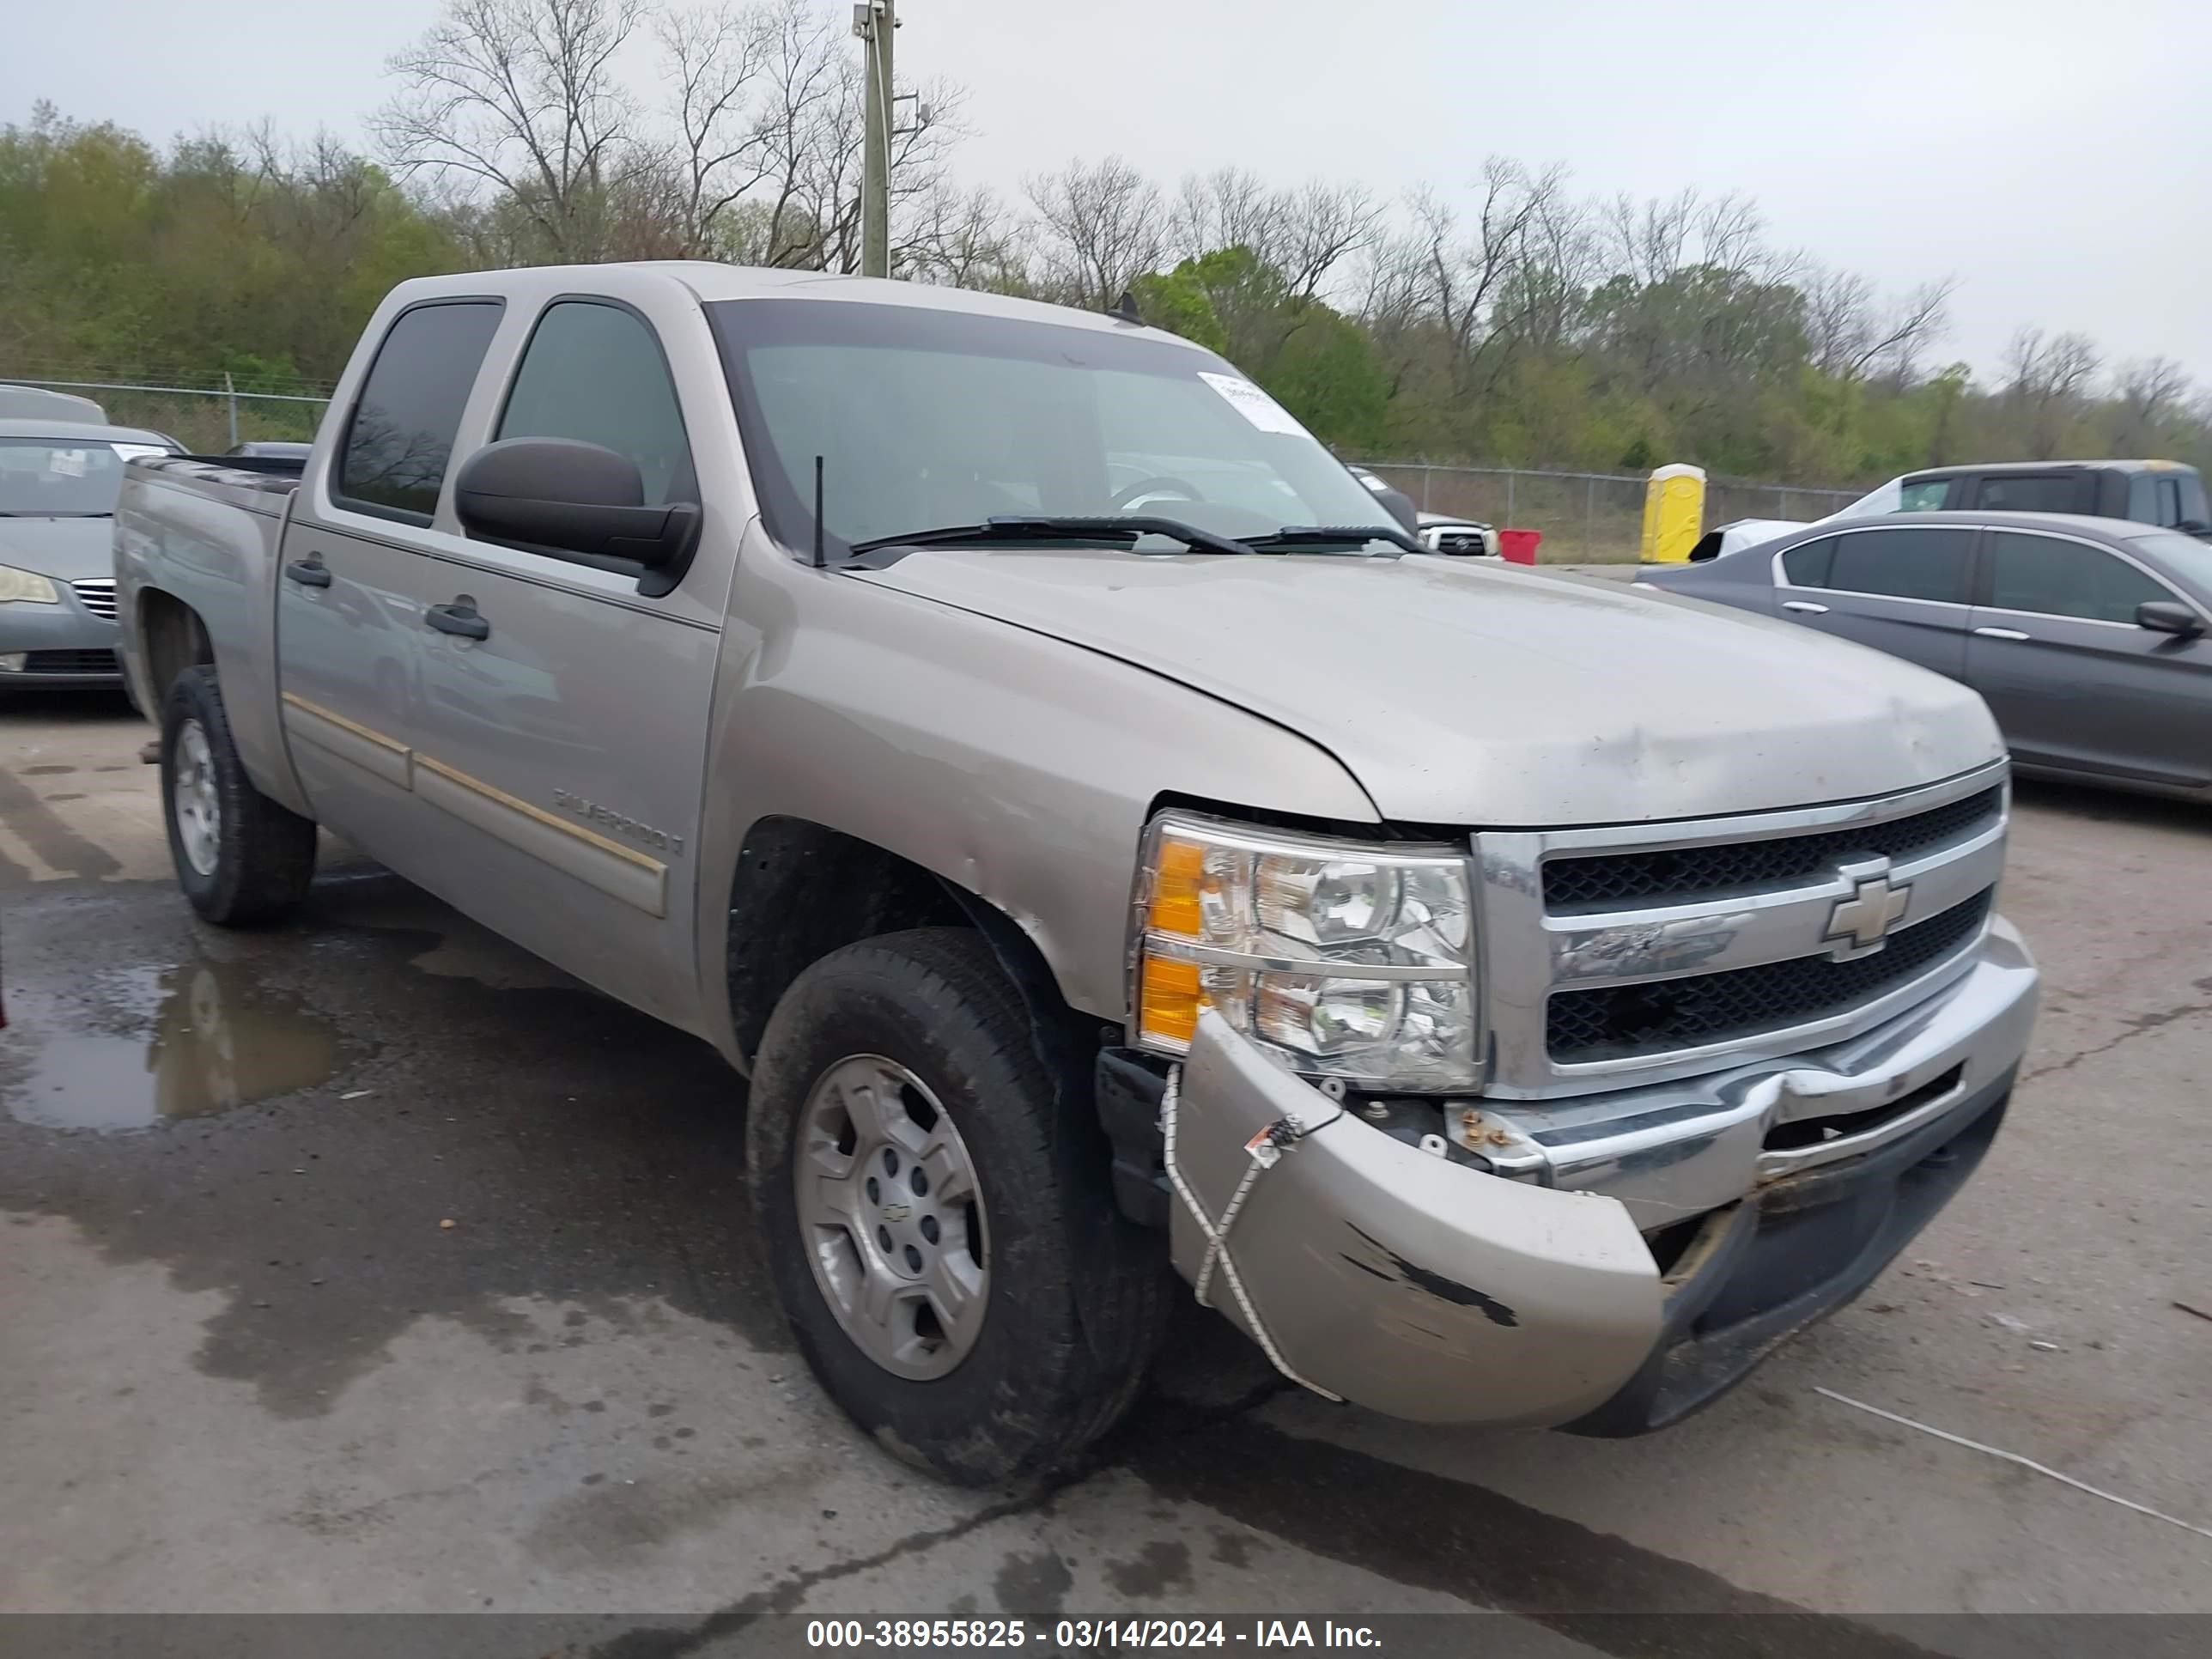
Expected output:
(1588, 518)
(207, 419)
(1594, 518)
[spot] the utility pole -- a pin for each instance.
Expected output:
(874, 22)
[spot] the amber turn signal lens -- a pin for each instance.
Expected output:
(1170, 998)
(1175, 885)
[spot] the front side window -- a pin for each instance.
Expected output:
(62, 478)
(595, 372)
(2054, 578)
(2169, 502)
(401, 432)
(1926, 497)
(2044, 492)
(1905, 564)
(927, 419)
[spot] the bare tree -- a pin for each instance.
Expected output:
(1106, 226)
(2046, 377)
(520, 96)
(1229, 207)
(715, 62)
(1850, 333)
(2151, 392)
(1317, 227)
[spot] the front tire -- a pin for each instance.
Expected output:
(240, 858)
(936, 1215)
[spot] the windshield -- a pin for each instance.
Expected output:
(926, 419)
(1882, 498)
(2184, 556)
(62, 477)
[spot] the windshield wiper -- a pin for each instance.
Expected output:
(1332, 535)
(1018, 528)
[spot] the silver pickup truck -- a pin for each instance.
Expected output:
(1102, 838)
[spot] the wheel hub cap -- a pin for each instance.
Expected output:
(199, 808)
(892, 1217)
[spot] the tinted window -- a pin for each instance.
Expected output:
(1926, 497)
(1905, 564)
(2066, 578)
(1807, 566)
(2192, 500)
(595, 372)
(2034, 492)
(402, 428)
(2169, 502)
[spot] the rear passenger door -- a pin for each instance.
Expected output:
(1900, 590)
(349, 620)
(2073, 680)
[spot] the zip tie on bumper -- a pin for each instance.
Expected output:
(1266, 1149)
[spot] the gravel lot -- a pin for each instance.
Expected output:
(369, 1264)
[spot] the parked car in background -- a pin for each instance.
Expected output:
(35, 403)
(1395, 501)
(267, 449)
(2163, 493)
(1740, 533)
(2087, 637)
(1441, 534)
(1017, 745)
(58, 481)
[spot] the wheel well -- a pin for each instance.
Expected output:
(175, 639)
(801, 890)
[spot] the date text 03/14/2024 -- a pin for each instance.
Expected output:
(1087, 1635)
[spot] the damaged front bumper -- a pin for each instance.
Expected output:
(1608, 1264)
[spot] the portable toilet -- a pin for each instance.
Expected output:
(1673, 513)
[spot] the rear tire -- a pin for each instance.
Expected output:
(240, 858)
(1073, 1295)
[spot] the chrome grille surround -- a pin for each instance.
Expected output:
(1526, 952)
(97, 595)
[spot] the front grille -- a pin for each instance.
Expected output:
(68, 662)
(1624, 1021)
(1610, 880)
(97, 595)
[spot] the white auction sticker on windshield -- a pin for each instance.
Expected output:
(1254, 404)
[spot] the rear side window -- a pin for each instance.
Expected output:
(1926, 497)
(2169, 502)
(2143, 498)
(1903, 564)
(2033, 492)
(402, 432)
(1807, 565)
(2054, 578)
(595, 372)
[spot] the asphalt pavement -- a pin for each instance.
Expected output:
(369, 1263)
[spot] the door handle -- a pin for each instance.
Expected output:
(2000, 633)
(460, 617)
(308, 573)
(1806, 605)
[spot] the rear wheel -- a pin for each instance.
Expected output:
(936, 1215)
(240, 858)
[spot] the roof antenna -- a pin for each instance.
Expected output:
(818, 512)
(1126, 309)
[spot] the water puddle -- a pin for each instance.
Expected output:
(131, 1048)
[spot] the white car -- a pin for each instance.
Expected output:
(1468, 538)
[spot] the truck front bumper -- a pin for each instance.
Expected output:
(1608, 1264)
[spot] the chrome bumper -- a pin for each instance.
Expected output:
(1404, 1279)
(1673, 1150)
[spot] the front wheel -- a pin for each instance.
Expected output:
(936, 1215)
(240, 858)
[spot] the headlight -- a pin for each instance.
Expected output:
(1341, 959)
(26, 587)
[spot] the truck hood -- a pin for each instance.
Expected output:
(68, 550)
(1464, 693)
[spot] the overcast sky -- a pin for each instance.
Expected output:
(2051, 156)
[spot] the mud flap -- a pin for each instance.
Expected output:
(1394, 1278)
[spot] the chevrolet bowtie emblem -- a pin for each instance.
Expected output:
(1860, 925)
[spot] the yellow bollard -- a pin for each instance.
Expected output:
(1673, 513)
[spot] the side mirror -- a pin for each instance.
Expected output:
(574, 500)
(2169, 617)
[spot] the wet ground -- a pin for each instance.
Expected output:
(368, 1263)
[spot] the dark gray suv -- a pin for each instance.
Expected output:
(2087, 637)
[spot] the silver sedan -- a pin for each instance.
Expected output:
(2091, 639)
